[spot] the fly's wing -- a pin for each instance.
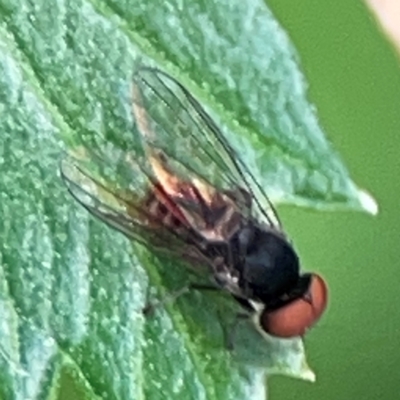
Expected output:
(120, 192)
(175, 126)
(183, 159)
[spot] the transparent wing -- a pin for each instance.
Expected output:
(178, 153)
(174, 124)
(89, 179)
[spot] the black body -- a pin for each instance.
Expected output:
(265, 263)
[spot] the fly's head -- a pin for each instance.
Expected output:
(295, 312)
(270, 275)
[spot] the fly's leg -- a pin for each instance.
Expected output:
(150, 307)
(230, 334)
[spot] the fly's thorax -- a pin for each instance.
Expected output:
(269, 266)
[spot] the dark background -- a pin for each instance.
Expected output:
(354, 77)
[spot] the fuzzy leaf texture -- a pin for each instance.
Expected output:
(72, 290)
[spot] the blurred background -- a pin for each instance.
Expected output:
(354, 75)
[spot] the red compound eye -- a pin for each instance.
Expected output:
(295, 318)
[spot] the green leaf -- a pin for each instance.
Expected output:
(72, 290)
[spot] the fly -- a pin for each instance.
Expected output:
(186, 192)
